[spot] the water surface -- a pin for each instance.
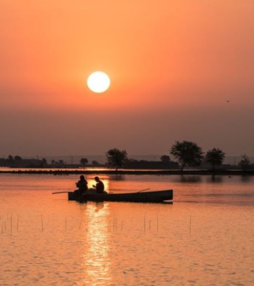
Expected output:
(206, 237)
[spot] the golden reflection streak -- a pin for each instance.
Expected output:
(97, 262)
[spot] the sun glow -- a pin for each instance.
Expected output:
(98, 82)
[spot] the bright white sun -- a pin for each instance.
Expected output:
(98, 82)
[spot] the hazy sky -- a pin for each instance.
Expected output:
(174, 65)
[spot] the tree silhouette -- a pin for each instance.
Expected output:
(215, 157)
(17, 158)
(83, 161)
(244, 162)
(165, 158)
(187, 153)
(44, 162)
(116, 158)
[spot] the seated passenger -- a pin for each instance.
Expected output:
(99, 187)
(82, 185)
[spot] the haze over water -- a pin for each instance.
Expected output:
(206, 237)
(179, 70)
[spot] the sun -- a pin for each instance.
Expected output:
(98, 82)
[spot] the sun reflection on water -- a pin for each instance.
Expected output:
(97, 262)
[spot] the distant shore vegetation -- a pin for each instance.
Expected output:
(182, 155)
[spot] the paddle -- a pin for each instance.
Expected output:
(55, 193)
(143, 190)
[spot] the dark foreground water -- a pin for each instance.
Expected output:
(206, 237)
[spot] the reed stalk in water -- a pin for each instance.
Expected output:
(80, 223)
(115, 223)
(11, 223)
(18, 223)
(42, 227)
(145, 223)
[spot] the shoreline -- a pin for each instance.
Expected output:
(131, 172)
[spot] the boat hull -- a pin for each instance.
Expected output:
(142, 197)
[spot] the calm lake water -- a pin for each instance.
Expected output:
(206, 237)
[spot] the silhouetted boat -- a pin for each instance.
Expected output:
(140, 197)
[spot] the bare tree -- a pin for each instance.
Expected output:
(245, 162)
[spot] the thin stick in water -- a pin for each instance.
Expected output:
(11, 224)
(18, 223)
(116, 223)
(42, 227)
(80, 223)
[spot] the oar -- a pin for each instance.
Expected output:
(143, 190)
(59, 193)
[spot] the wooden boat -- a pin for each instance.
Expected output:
(141, 197)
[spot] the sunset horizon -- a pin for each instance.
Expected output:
(179, 71)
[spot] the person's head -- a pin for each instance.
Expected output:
(82, 178)
(97, 179)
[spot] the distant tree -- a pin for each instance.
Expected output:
(83, 161)
(133, 160)
(187, 153)
(10, 157)
(44, 162)
(95, 163)
(116, 158)
(215, 157)
(17, 158)
(245, 162)
(165, 158)
(53, 162)
(61, 162)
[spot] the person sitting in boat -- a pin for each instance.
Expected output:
(99, 187)
(82, 185)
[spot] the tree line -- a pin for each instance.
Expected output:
(186, 153)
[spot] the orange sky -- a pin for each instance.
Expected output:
(173, 66)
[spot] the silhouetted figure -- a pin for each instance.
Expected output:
(82, 185)
(99, 187)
